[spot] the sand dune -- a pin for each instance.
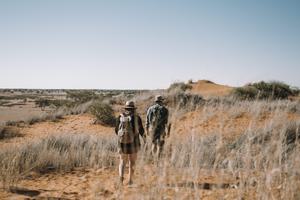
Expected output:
(209, 89)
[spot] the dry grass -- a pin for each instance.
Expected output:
(54, 115)
(263, 161)
(61, 153)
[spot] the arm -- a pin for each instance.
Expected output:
(117, 125)
(166, 123)
(167, 116)
(141, 127)
(148, 119)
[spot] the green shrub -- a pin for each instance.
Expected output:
(104, 113)
(247, 92)
(264, 90)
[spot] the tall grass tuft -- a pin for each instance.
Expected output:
(59, 153)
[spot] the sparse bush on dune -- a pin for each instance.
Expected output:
(179, 87)
(190, 81)
(208, 81)
(264, 90)
(104, 113)
(245, 93)
(187, 101)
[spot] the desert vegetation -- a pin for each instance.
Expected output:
(266, 90)
(179, 87)
(62, 153)
(219, 148)
(104, 113)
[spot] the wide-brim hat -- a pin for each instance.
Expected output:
(159, 98)
(129, 105)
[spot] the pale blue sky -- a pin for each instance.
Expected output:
(147, 43)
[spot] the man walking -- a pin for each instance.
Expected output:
(128, 128)
(156, 122)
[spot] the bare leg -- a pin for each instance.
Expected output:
(154, 148)
(132, 159)
(122, 165)
(160, 148)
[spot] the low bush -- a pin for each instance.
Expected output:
(264, 90)
(179, 87)
(245, 93)
(183, 100)
(104, 113)
(8, 132)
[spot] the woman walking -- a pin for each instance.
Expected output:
(128, 128)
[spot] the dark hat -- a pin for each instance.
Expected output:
(159, 98)
(129, 105)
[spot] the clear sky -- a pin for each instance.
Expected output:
(116, 44)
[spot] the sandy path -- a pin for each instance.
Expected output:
(103, 184)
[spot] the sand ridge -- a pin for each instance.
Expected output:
(210, 89)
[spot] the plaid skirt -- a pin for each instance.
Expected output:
(131, 147)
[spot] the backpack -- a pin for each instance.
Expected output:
(158, 115)
(126, 133)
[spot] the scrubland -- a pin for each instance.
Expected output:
(221, 147)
